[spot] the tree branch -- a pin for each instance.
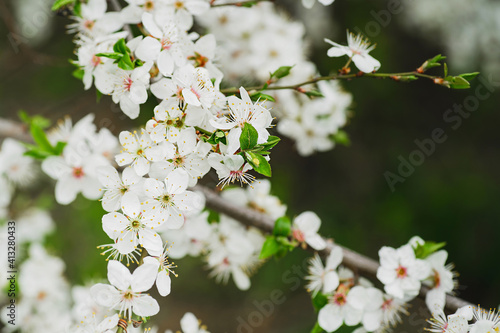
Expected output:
(352, 259)
(404, 76)
(15, 130)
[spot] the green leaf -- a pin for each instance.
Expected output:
(25, 118)
(37, 154)
(430, 63)
(457, 82)
(445, 69)
(213, 216)
(428, 248)
(469, 76)
(216, 137)
(40, 138)
(111, 55)
(313, 93)
(79, 73)
(259, 96)
(271, 142)
(121, 47)
(317, 328)
(248, 137)
(58, 149)
(58, 4)
(282, 72)
(125, 63)
(269, 248)
(258, 163)
(282, 226)
(342, 138)
(319, 301)
(248, 4)
(77, 9)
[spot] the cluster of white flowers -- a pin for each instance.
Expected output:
(349, 301)
(484, 321)
(85, 151)
(403, 270)
(16, 170)
(145, 187)
(230, 249)
(44, 303)
(257, 42)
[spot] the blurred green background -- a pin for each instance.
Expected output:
(453, 196)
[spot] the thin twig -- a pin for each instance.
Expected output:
(351, 259)
(246, 3)
(340, 76)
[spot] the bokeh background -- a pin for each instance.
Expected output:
(453, 196)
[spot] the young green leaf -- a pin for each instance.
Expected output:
(58, 4)
(40, 138)
(282, 226)
(428, 248)
(258, 163)
(110, 55)
(121, 47)
(342, 138)
(271, 142)
(469, 76)
(248, 137)
(260, 96)
(269, 248)
(313, 93)
(282, 72)
(319, 301)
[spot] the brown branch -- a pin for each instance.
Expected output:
(352, 259)
(250, 217)
(15, 130)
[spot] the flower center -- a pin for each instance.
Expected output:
(179, 5)
(135, 224)
(149, 5)
(78, 172)
(339, 299)
(128, 295)
(95, 60)
(401, 272)
(166, 43)
(127, 83)
(299, 235)
(89, 24)
(199, 60)
(166, 199)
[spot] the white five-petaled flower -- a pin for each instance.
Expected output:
(324, 278)
(74, 174)
(357, 50)
(401, 272)
(339, 310)
(115, 187)
(244, 111)
(139, 151)
(129, 88)
(133, 227)
(230, 168)
(170, 199)
(305, 229)
(165, 45)
(163, 269)
(126, 292)
(188, 85)
(454, 323)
